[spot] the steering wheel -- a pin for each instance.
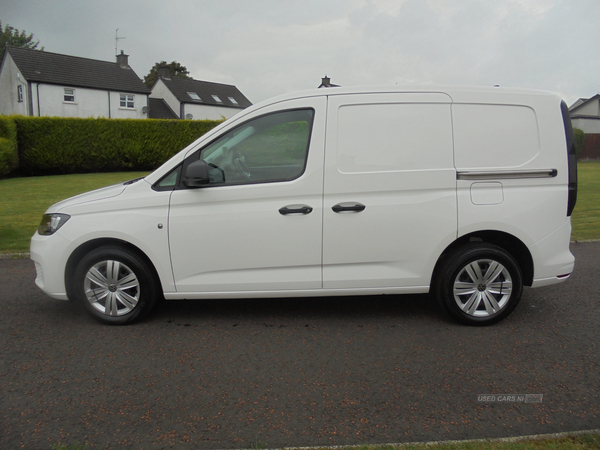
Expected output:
(239, 161)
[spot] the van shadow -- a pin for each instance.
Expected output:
(383, 308)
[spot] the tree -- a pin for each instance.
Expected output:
(175, 70)
(579, 140)
(16, 38)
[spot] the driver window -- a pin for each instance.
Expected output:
(266, 149)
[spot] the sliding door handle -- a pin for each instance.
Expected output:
(295, 209)
(348, 207)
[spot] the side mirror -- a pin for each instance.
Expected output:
(196, 174)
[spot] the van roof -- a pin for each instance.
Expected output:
(456, 93)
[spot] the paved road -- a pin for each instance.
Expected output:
(233, 374)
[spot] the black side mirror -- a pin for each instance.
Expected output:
(196, 174)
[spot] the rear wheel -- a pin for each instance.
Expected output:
(478, 284)
(115, 285)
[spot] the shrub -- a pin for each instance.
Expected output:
(8, 146)
(579, 140)
(52, 145)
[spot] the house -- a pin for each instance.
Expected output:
(585, 115)
(40, 83)
(186, 98)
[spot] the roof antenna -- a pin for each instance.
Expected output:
(117, 39)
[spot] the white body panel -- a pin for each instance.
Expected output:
(429, 166)
(381, 154)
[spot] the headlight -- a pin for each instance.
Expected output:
(51, 223)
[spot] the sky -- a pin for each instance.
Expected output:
(272, 47)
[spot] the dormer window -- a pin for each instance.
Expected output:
(232, 100)
(126, 101)
(69, 95)
(216, 98)
(193, 96)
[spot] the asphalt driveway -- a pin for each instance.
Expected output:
(302, 372)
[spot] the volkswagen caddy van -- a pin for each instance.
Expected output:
(465, 193)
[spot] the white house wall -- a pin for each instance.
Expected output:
(207, 112)
(588, 109)
(160, 90)
(589, 126)
(140, 105)
(10, 79)
(48, 100)
(591, 123)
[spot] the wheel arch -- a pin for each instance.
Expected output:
(88, 246)
(508, 242)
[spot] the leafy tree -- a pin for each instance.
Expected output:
(16, 38)
(579, 140)
(175, 70)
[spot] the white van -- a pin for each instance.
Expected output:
(465, 193)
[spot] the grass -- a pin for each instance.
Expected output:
(586, 216)
(24, 200)
(573, 442)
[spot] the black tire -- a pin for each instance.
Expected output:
(115, 285)
(478, 284)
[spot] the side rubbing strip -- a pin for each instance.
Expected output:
(507, 175)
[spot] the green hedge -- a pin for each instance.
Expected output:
(8, 146)
(53, 145)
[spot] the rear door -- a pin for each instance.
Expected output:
(390, 189)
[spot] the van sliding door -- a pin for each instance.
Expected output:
(390, 190)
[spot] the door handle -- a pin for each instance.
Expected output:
(348, 207)
(295, 209)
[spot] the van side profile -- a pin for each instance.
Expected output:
(465, 193)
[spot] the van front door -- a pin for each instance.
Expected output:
(256, 227)
(390, 190)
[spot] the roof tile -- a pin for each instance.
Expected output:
(54, 68)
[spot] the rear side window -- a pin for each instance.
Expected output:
(494, 136)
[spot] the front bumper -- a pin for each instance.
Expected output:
(49, 253)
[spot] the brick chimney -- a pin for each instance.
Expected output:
(164, 72)
(123, 60)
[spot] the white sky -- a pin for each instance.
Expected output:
(270, 47)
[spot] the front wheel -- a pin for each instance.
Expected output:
(478, 284)
(115, 285)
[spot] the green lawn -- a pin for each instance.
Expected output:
(575, 441)
(24, 200)
(586, 216)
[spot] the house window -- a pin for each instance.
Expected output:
(216, 98)
(232, 100)
(69, 95)
(193, 96)
(20, 93)
(126, 101)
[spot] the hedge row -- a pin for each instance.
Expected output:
(53, 145)
(8, 146)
